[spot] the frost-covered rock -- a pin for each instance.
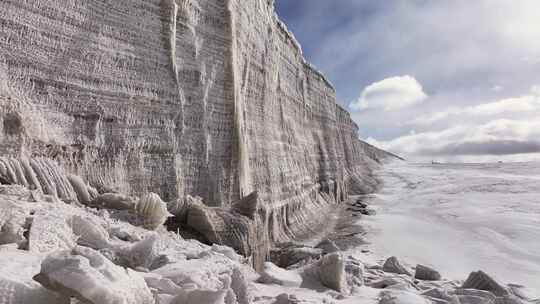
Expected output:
(393, 265)
(116, 201)
(272, 274)
(482, 281)
(354, 271)
(332, 272)
(289, 254)
(426, 273)
(87, 275)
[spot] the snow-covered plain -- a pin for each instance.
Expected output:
(461, 217)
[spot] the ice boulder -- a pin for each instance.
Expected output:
(271, 274)
(393, 265)
(332, 271)
(145, 253)
(210, 273)
(87, 275)
(89, 232)
(50, 232)
(17, 268)
(426, 273)
(481, 281)
(288, 254)
(153, 210)
(115, 201)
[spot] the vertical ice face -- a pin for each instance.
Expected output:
(178, 97)
(240, 73)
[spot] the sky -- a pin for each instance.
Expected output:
(431, 80)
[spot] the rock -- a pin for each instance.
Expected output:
(332, 272)
(226, 226)
(368, 211)
(248, 206)
(328, 246)
(179, 208)
(354, 271)
(392, 265)
(115, 201)
(272, 274)
(480, 280)
(360, 203)
(426, 273)
(87, 275)
(290, 254)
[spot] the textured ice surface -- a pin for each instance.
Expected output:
(460, 218)
(17, 268)
(87, 275)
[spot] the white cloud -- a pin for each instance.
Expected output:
(497, 137)
(526, 104)
(390, 94)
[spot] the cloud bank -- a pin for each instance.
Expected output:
(390, 94)
(497, 137)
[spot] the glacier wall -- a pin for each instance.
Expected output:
(208, 98)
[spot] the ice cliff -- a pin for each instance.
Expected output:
(210, 104)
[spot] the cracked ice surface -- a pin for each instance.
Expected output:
(460, 217)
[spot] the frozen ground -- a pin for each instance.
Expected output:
(116, 250)
(461, 217)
